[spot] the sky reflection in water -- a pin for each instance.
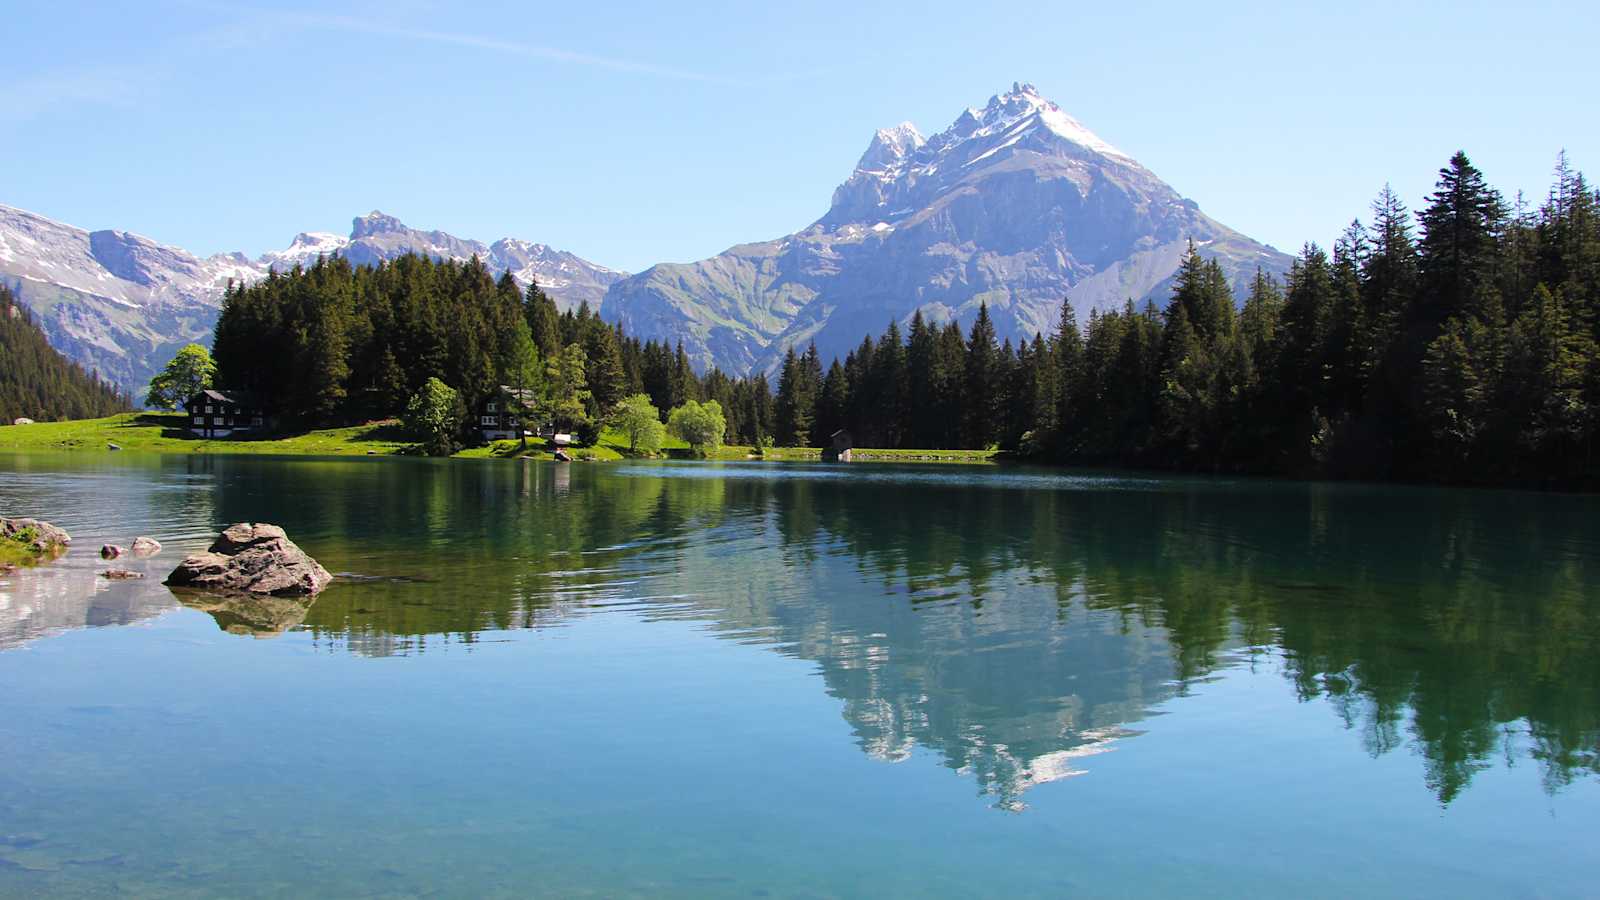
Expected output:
(607, 679)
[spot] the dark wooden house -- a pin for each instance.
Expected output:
(214, 413)
(507, 414)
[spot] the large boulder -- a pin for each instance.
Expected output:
(146, 546)
(254, 559)
(41, 537)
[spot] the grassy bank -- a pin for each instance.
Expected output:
(13, 553)
(18, 550)
(165, 433)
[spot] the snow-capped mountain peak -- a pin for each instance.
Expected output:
(890, 147)
(1015, 205)
(902, 171)
(1022, 107)
(304, 250)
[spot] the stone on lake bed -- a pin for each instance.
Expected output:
(252, 558)
(146, 546)
(120, 574)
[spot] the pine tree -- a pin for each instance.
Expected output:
(983, 386)
(1070, 393)
(1456, 394)
(922, 347)
(1041, 422)
(1457, 252)
(795, 404)
(890, 389)
(608, 381)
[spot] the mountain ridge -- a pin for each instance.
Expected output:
(1015, 204)
(121, 304)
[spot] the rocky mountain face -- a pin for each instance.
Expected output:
(122, 304)
(1015, 204)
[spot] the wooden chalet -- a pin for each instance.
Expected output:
(507, 414)
(214, 413)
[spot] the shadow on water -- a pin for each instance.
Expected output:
(1011, 622)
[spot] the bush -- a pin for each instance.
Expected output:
(640, 422)
(700, 425)
(588, 433)
(434, 417)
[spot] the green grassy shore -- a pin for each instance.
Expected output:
(165, 433)
(16, 553)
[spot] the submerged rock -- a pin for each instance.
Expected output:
(252, 558)
(120, 574)
(111, 551)
(146, 546)
(41, 537)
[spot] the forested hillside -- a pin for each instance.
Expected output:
(1458, 345)
(38, 383)
(1459, 348)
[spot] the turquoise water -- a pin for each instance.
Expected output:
(798, 680)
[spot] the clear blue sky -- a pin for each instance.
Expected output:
(634, 133)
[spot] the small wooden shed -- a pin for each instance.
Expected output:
(839, 446)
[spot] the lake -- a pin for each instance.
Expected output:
(769, 680)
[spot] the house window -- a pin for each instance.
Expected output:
(199, 420)
(216, 420)
(256, 421)
(493, 407)
(208, 408)
(489, 420)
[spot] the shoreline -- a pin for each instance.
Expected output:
(165, 433)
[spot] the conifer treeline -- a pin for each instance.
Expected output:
(337, 343)
(38, 383)
(1461, 348)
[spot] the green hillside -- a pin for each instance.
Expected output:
(38, 383)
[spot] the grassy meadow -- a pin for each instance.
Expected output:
(165, 433)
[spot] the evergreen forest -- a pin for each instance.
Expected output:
(1456, 344)
(38, 383)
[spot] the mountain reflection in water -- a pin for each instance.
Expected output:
(1014, 623)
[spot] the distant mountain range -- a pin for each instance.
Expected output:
(1015, 204)
(122, 304)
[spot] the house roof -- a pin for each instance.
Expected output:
(521, 395)
(237, 398)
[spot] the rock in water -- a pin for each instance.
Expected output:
(255, 559)
(146, 546)
(111, 551)
(120, 574)
(47, 538)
